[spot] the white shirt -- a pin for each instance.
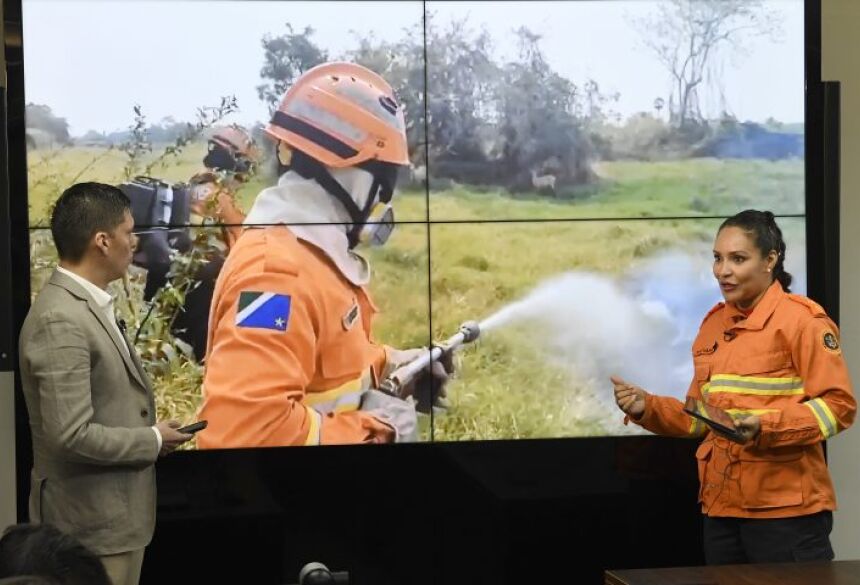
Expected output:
(104, 301)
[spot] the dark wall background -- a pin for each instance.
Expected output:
(6, 352)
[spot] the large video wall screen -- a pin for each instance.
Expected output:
(570, 164)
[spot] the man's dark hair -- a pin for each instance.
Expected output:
(42, 550)
(83, 210)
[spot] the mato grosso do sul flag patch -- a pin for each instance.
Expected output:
(263, 310)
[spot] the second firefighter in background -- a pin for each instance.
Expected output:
(291, 357)
(230, 161)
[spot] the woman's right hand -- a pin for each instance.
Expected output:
(629, 398)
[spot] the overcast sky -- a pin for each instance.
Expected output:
(91, 61)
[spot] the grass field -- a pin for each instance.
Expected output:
(701, 187)
(506, 386)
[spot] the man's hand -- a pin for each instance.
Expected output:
(170, 437)
(748, 428)
(427, 387)
(629, 398)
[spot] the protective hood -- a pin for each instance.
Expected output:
(316, 217)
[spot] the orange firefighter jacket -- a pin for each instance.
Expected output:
(290, 350)
(782, 363)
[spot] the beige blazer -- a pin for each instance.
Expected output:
(90, 406)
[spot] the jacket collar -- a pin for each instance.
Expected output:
(75, 289)
(755, 321)
(102, 297)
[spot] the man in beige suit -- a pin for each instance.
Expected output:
(91, 407)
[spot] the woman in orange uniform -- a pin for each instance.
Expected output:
(772, 360)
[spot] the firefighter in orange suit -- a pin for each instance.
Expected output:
(230, 161)
(773, 361)
(291, 358)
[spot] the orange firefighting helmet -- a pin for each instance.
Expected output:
(237, 141)
(342, 115)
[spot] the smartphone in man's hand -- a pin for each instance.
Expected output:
(193, 427)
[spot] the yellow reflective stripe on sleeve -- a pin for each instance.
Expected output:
(697, 427)
(348, 403)
(343, 403)
(315, 398)
(824, 416)
(344, 398)
(313, 437)
(830, 416)
(706, 387)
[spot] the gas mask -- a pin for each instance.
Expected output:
(374, 223)
(377, 218)
(220, 158)
(379, 224)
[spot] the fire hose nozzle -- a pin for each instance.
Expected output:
(468, 332)
(471, 330)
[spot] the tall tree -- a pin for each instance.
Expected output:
(541, 117)
(461, 77)
(285, 58)
(685, 35)
(42, 118)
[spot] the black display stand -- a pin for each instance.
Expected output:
(7, 352)
(822, 212)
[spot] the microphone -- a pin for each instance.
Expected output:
(121, 324)
(319, 574)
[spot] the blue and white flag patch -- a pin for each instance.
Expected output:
(263, 310)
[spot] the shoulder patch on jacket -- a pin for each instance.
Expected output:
(831, 342)
(814, 308)
(715, 308)
(263, 310)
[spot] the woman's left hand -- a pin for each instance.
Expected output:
(748, 427)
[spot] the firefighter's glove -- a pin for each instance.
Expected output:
(397, 413)
(428, 388)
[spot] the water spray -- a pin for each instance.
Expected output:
(393, 384)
